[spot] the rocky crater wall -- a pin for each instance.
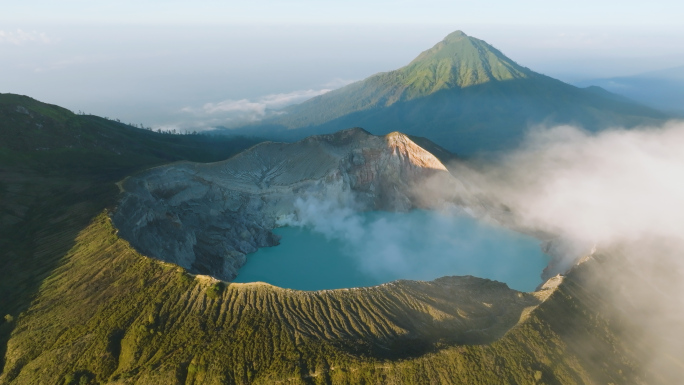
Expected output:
(207, 217)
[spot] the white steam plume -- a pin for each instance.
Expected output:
(619, 190)
(235, 112)
(623, 191)
(421, 245)
(606, 188)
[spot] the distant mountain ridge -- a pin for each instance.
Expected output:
(463, 94)
(33, 131)
(663, 89)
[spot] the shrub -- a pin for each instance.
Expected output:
(215, 290)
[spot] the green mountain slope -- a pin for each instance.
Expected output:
(463, 94)
(109, 315)
(40, 133)
(57, 171)
(458, 61)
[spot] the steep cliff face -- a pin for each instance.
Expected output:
(206, 217)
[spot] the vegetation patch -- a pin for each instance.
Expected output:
(215, 290)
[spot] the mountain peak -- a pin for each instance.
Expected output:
(463, 94)
(459, 61)
(455, 36)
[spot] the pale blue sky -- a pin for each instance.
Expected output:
(165, 63)
(522, 12)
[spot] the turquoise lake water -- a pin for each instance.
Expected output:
(378, 247)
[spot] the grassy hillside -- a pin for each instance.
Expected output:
(57, 171)
(33, 133)
(110, 315)
(463, 94)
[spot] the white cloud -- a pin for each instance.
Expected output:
(260, 106)
(20, 37)
(337, 83)
(231, 112)
(621, 190)
(603, 188)
(242, 105)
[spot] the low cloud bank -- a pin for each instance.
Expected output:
(21, 37)
(257, 109)
(621, 191)
(422, 245)
(232, 113)
(601, 189)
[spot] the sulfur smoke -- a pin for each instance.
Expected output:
(606, 188)
(423, 244)
(621, 193)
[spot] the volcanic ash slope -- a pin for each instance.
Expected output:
(206, 217)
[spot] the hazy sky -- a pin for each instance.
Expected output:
(166, 63)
